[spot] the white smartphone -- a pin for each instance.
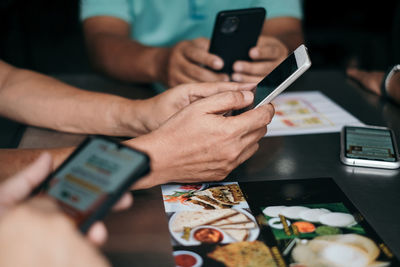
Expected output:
(281, 77)
(369, 146)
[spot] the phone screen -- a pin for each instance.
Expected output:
(93, 174)
(370, 144)
(275, 78)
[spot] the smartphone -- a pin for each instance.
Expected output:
(369, 146)
(93, 178)
(280, 78)
(234, 33)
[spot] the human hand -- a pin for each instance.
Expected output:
(17, 188)
(185, 64)
(36, 233)
(200, 144)
(268, 53)
(161, 107)
(370, 80)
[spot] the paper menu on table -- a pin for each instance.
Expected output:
(308, 112)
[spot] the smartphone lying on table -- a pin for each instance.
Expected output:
(93, 178)
(280, 78)
(234, 33)
(369, 146)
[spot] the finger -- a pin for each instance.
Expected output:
(201, 90)
(356, 74)
(204, 75)
(239, 77)
(124, 202)
(268, 50)
(19, 186)
(97, 233)
(226, 101)
(255, 68)
(253, 119)
(181, 78)
(203, 57)
(202, 43)
(254, 136)
(247, 153)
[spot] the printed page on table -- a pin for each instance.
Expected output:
(308, 113)
(272, 223)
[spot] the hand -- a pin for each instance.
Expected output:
(369, 80)
(185, 61)
(161, 107)
(268, 53)
(16, 189)
(200, 144)
(36, 233)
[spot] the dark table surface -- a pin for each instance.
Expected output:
(140, 237)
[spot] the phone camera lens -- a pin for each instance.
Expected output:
(230, 25)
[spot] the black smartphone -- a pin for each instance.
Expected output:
(235, 32)
(93, 178)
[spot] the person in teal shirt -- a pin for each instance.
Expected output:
(167, 40)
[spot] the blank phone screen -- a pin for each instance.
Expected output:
(275, 78)
(370, 144)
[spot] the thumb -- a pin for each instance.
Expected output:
(226, 101)
(19, 186)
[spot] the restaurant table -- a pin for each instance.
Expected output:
(140, 236)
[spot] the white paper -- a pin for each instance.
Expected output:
(308, 112)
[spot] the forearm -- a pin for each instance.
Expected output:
(127, 59)
(14, 160)
(38, 100)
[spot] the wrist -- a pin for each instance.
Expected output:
(128, 117)
(152, 146)
(387, 80)
(161, 58)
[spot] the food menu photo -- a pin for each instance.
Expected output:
(312, 223)
(273, 223)
(207, 221)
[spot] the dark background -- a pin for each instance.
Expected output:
(46, 36)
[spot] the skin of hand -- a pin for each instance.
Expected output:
(268, 54)
(200, 144)
(187, 61)
(371, 80)
(160, 108)
(36, 233)
(17, 189)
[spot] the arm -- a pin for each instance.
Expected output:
(113, 52)
(39, 100)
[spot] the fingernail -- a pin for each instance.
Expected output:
(254, 53)
(238, 67)
(217, 64)
(237, 77)
(248, 96)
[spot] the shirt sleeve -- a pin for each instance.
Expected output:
(282, 8)
(113, 8)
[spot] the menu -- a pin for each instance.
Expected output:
(308, 112)
(308, 222)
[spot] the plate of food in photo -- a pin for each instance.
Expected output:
(190, 228)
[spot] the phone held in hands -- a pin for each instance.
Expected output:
(369, 146)
(235, 33)
(93, 178)
(280, 78)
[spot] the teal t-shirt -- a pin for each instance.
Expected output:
(166, 22)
